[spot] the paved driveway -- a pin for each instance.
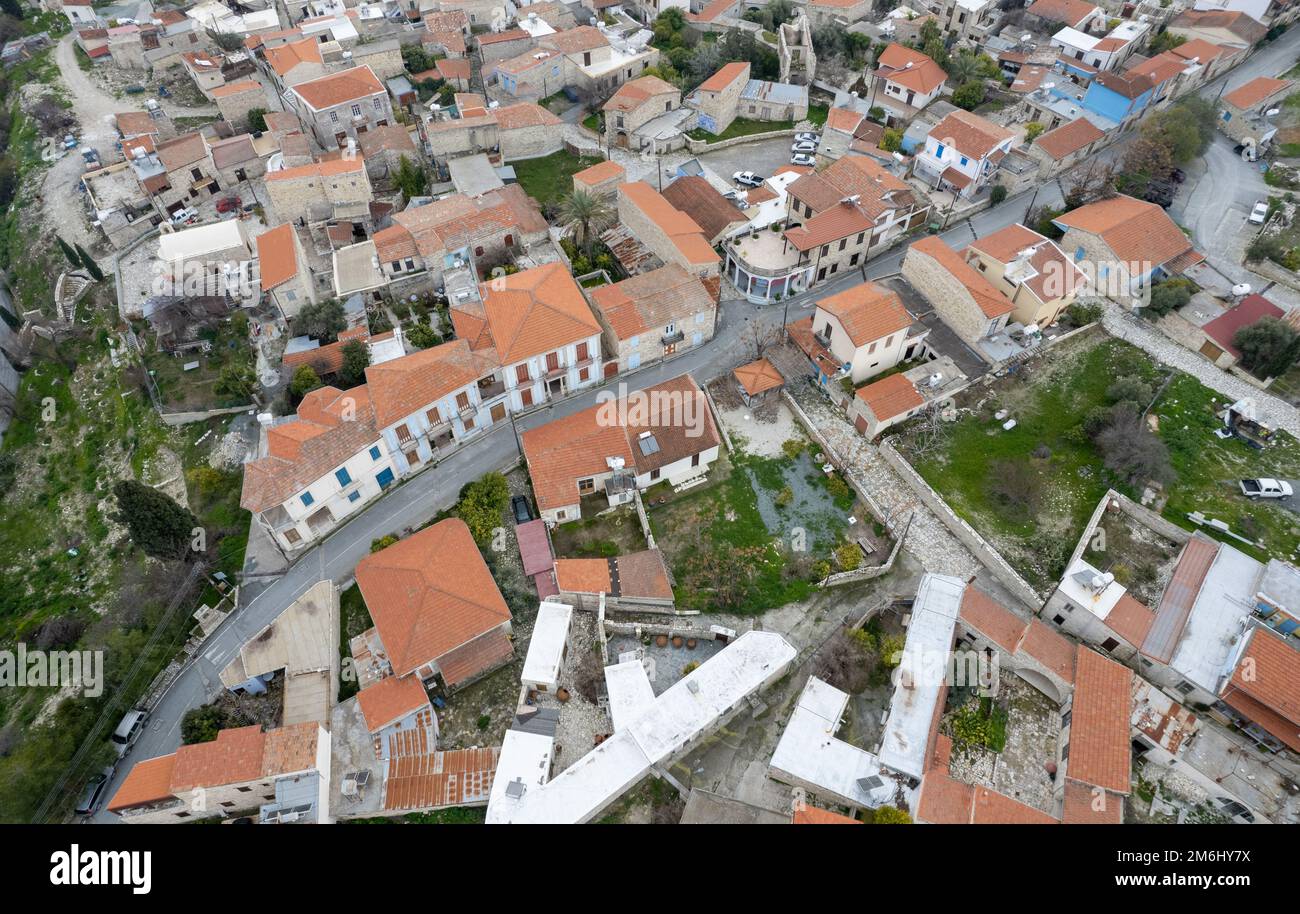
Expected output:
(764, 157)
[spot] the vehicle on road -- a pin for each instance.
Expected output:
(129, 730)
(1265, 488)
(186, 214)
(803, 146)
(747, 178)
(94, 792)
(802, 158)
(1259, 215)
(519, 505)
(807, 138)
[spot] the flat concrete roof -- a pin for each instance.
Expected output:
(630, 692)
(1217, 619)
(546, 646)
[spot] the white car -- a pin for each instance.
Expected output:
(1259, 214)
(184, 215)
(807, 137)
(747, 178)
(803, 146)
(802, 158)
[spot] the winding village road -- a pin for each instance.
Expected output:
(424, 495)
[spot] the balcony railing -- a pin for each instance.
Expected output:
(493, 388)
(676, 336)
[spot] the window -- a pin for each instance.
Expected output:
(1184, 686)
(871, 349)
(469, 423)
(1059, 620)
(1078, 253)
(433, 415)
(356, 111)
(342, 475)
(307, 499)
(584, 373)
(861, 235)
(243, 789)
(695, 460)
(668, 331)
(292, 537)
(521, 373)
(582, 352)
(938, 152)
(561, 514)
(586, 485)
(462, 400)
(379, 105)
(699, 317)
(552, 361)
(1065, 752)
(826, 249)
(654, 474)
(355, 496)
(334, 116)
(965, 161)
(374, 453)
(1109, 644)
(526, 397)
(843, 242)
(1065, 719)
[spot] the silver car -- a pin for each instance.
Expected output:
(803, 146)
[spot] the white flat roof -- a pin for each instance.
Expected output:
(525, 757)
(630, 692)
(809, 752)
(1099, 604)
(920, 675)
(688, 708)
(1076, 39)
(546, 647)
(201, 240)
(1214, 626)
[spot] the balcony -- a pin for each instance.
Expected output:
(669, 339)
(556, 372)
(490, 387)
(765, 253)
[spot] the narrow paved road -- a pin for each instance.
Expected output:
(423, 496)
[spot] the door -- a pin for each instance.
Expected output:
(385, 479)
(498, 412)
(634, 361)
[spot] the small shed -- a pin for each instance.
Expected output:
(547, 647)
(759, 382)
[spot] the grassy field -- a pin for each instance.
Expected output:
(1056, 458)
(738, 128)
(549, 178)
(183, 390)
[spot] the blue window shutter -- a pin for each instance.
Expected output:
(374, 453)
(939, 152)
(965, 161)
(342, 475)
(354, 496)
(307, 499)
(1078, 253)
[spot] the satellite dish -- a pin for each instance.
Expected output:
(1272, 112)
(1241, 288)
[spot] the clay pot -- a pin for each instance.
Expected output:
(690, 644)
(661, 641)
(562, 694)
(678, 640)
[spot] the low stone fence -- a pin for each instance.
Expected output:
(700, 146)
(1279, 274)
(965, 533)
(874, 571)
(185, 418)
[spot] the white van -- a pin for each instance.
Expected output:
(128, 731)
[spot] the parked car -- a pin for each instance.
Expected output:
(1265, 488)
(184, 215)
(523, 512)
(1160, 193)
(802, 158)
(128, 731)
(227, 204)
(1259, 215)
(94, 792)
(807, 138)
(747, 178)
(803, 146)
(1178, 176)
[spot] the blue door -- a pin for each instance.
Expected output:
(385, 479)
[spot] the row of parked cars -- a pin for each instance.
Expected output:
(803, 151)
(123, 738)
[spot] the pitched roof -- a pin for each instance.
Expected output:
(910, 68)
(1251, 309)
(1254, 92)
(576, 40)
(867, 312)
(696, 197)
(1085, 805)
(1268, 676)
(890, 397)
(648, 302)
(277, 258)
(987, 297)
(970, 134)
(633, 93)
(1069, 138)
(531, 312)
(391, 699)
(683, 231)
(401, 387)
(339, 88)
(1134, 230)
(524, 114)
(389, 138)
(1100, 753)
(304, 449)
(1050, 648)
(246, 85)
(283, 58)
(726, 75)
(988, 616)
(600, 173)
(326, 168)
(182, 151)
(758, 377)
(429, 594)
(814, 815)
(1067, 12)
(148, 782)
(845, 120)
(1130, 619)
(1179, 597)
(1238, 23)
(1047, 271)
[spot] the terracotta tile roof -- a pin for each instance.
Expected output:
(325, 169)
(992, 808)
(277, 258)
(1050, 648)
(1238, 23)
(600, 173)
(492, 38)
(577, 40)
(910, 68)
(648, 302)
(149, 782)
(1069, 138)
(229, 89)
(535, 547)
(233, 757)
(1110, 44)
(1204, 51)
(711, 10)
(1055, 275)
(136, 123)
(970, 134)
(890, 397)
(867, 312)
(832, 224)
(814, 815)
(283, 58)
(533, 312)
(758, 377)
(182, 151)
(391, 699)
(446, 21)
(642, 574)
(290, 748)
(1265, 685)
(712, 212)
(1067, 12)
(392, 138)
(1129, 85)
(1130, 619)
(989, 617)
(1086, 805)
(1255, 92)
(987, 297)
(328, 359)
(583, 576)
(339, 88)
(1223, 329)
(404, 386)
(458, 221)
(303, 450)
(561, 452)
(636, 92)
(1134, 230)
(685, 234)
(947, 801)
(1179, 596)
(453, 68)
(458, 777)
(421, 611)
(728, 74)
(845, 120)
(1100, 754)
(524, 114)
(486, 652)
(1161, 68)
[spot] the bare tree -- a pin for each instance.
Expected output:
(759, 337)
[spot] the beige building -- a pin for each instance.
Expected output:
(602, 178)
(968, 302)
(235, 100)
(341, 105)
(717, 100)
(635, 105)
(1244, 109)
(1030, 270)
(862, 331)
(654, 315)
(1062, 148)
(670, 234)
(337, 189)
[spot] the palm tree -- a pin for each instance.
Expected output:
(962, 68)
(587, 215)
